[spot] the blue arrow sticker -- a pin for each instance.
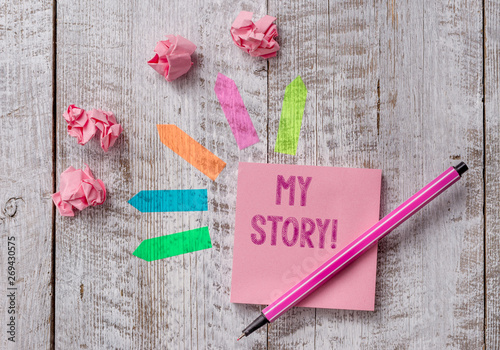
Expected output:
(170, 200)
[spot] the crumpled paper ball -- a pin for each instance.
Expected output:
(255, 39)
(83, 125)
(78, 189)
(79, 125)
(173, 57)
(106, 123)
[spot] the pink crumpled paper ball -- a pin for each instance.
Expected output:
(173, 57)
(83, 125)
(106, 123)
(256, 39)
(79, 125)
(78, 189)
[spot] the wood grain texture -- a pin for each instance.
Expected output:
(297, 38)
(391, 85)
(385, 100)
(348, 116)
(26, 56)
(107, 298)
(446, 77)
(430, 116)
(430, 285)
(492, 169)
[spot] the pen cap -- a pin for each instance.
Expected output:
(461, 168)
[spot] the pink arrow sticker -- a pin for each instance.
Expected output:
(235, 111)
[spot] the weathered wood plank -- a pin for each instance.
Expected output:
(348, 117)
(429, 67)
(452, 125)
(492, 169)
(391, 86)
(26, 181)
(107, 298)
(222, 321)
(297, 56)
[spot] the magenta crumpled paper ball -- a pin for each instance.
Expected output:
(173, 57)
(257, 39)
(78, 189)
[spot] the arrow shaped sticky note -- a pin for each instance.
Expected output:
(170, 200)
(186, 147)
(292, 111)
(174, 244)
(235, 112)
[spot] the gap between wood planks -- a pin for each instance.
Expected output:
(54, 170)
(485, 251)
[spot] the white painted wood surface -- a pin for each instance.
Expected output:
(26, 178)
(492, 171)
(395, 86)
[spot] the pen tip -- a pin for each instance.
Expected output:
(241, 336)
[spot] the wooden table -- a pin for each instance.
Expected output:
(410, 88)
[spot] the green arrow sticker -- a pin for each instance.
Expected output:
(174, 244)
(292, 111)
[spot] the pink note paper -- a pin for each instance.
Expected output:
(292, 218)
(235, 111)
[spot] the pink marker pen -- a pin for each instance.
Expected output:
(356, 248)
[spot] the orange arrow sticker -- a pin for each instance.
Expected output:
(186, 147)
